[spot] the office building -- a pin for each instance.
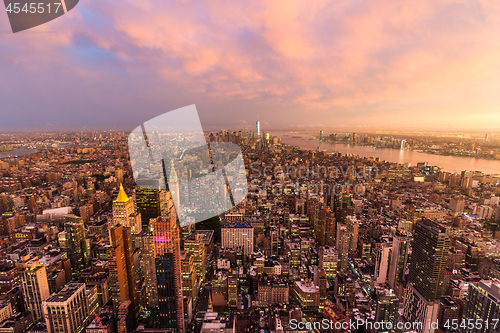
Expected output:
(168, 272)
(399, 259)
(307, 294)
(76, 242)
(483, 304)
(342, 245)
(328, 259)
(232, 289)
(195, 247)
(427, 267)
(271, 291)
(325, 228)
(148, 266)
(67, 311)
(353, 228)
(124, 212)
(121, 266)
(387, 306)
(457, 204)
(235, 234)
(9, 278)
(382, 263)
(188, 275)
(151, 200)
(34, 284)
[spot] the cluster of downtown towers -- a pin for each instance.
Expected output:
(160, 243)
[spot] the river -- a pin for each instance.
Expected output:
(23, 151)
(447, 163)
(17, 152)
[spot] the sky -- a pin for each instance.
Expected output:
(409, 64)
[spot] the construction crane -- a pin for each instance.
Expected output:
(100, 323)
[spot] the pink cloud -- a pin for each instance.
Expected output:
(347, 60)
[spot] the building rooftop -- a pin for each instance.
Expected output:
(307, 287)
(122, 196)
(492, 287)
(69, 290)
(235, 224)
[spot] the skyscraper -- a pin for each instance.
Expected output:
(325, 228)
(342, 245)
(149, 269)
(232, 289)
(353, 227)
(399, 260)
(427, 267)
(328, 260)
(382, 263)
(34, 284)
(76, 243)
(195, 247)
(188, 275)
(151, 200)
(121, 266)
(124, 212)
(173, 185)
(168, 272)
(257, 129)
(483, 305)
(387, 307)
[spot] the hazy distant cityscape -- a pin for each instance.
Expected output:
(324, 241)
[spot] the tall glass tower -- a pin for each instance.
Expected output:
(427, 268)
(168, 272)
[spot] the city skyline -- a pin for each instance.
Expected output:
(419, 65)
(250, 167)
(85, 247)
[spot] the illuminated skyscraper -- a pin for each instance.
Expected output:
(124, 212)
(149, 269)
(168, 272)
(483, 305)
(353, 227)
(35, 285)
(387, 307)
(76, 243)
(195, 247)
(325, 228)
(121, 266)
(257, 129)
(427, 267)
(232, 289)
(399, 260)
(342, 245)
(328, 260)
(188, 275)
(151, 201)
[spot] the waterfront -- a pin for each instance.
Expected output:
(447, 163)
(26, 151)
(17, 152)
